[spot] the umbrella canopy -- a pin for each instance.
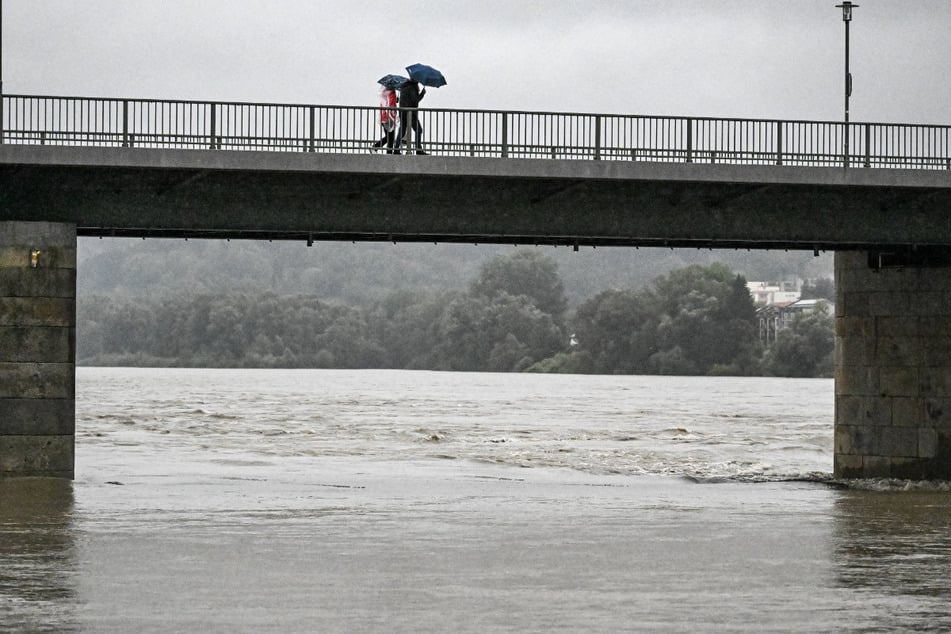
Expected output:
(426, 75)
(392, 81)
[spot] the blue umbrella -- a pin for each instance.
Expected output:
(426, 75)
(392, 81)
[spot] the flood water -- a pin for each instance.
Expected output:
(392, 501)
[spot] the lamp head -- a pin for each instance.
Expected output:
(847, 10)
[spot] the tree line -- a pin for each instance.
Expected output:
(512, 316)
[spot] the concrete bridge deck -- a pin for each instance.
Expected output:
(318, 196)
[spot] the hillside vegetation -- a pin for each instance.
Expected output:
(368, 306)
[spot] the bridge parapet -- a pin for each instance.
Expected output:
(116, 122)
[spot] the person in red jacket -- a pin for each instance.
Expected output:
(387, 120)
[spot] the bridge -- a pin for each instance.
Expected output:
(76, 166)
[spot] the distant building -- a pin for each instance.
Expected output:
(774, 317)
(767, 293)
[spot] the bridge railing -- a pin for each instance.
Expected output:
(110, 122)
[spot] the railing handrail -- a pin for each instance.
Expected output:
(560, 113)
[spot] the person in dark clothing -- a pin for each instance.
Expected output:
(410, 96)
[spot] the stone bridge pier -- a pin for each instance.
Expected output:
(893, 366)
(37, 348)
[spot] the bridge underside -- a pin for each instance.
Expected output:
(235, 195)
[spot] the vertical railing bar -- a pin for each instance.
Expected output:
(212, 126)
(779, 143)
(125, 123)
(311, 114)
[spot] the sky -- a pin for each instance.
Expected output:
(781, 59)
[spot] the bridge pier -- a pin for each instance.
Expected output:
(893, 369)
(37, 349)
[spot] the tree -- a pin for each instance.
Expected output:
(805, 348)
(524, 273)
(707, 313)
(507, 333)
(404, 325)
(615, 331)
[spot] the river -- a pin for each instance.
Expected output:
(395, 501)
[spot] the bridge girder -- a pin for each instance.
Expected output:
(298, 196)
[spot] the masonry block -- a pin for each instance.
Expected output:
(23, 344)
(908, 468)
(937, 413)
(899, 381)
(927, 442)
(859, 327)
(935, 325)
(47, 456)
(849, 466)
(898, 351)
(899, 442)
(907, 412)
(876, 467)
(857, 380)
(852, 304)
(895, 326)
(37, 417)
(936, 350)
(935, 382)
(894, 303)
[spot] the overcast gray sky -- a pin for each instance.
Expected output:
(742, 58)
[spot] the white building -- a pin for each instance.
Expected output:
(768, 293)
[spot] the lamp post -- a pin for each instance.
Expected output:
(847, 7)
(1, 72)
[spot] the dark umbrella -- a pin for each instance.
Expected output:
(426, 75)
(392, 81)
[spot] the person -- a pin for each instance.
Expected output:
(410, 96)
(387, 120)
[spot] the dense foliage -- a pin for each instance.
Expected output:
(512, 316)
(805, 348)
(698, 320)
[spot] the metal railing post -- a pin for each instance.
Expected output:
(312, 140)
(845, 147)
(505, 135)
(125, 123)
(1, 113)
(868, 145)
(597, 138)
(690, 140)
(214, 126)
(779, 143)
